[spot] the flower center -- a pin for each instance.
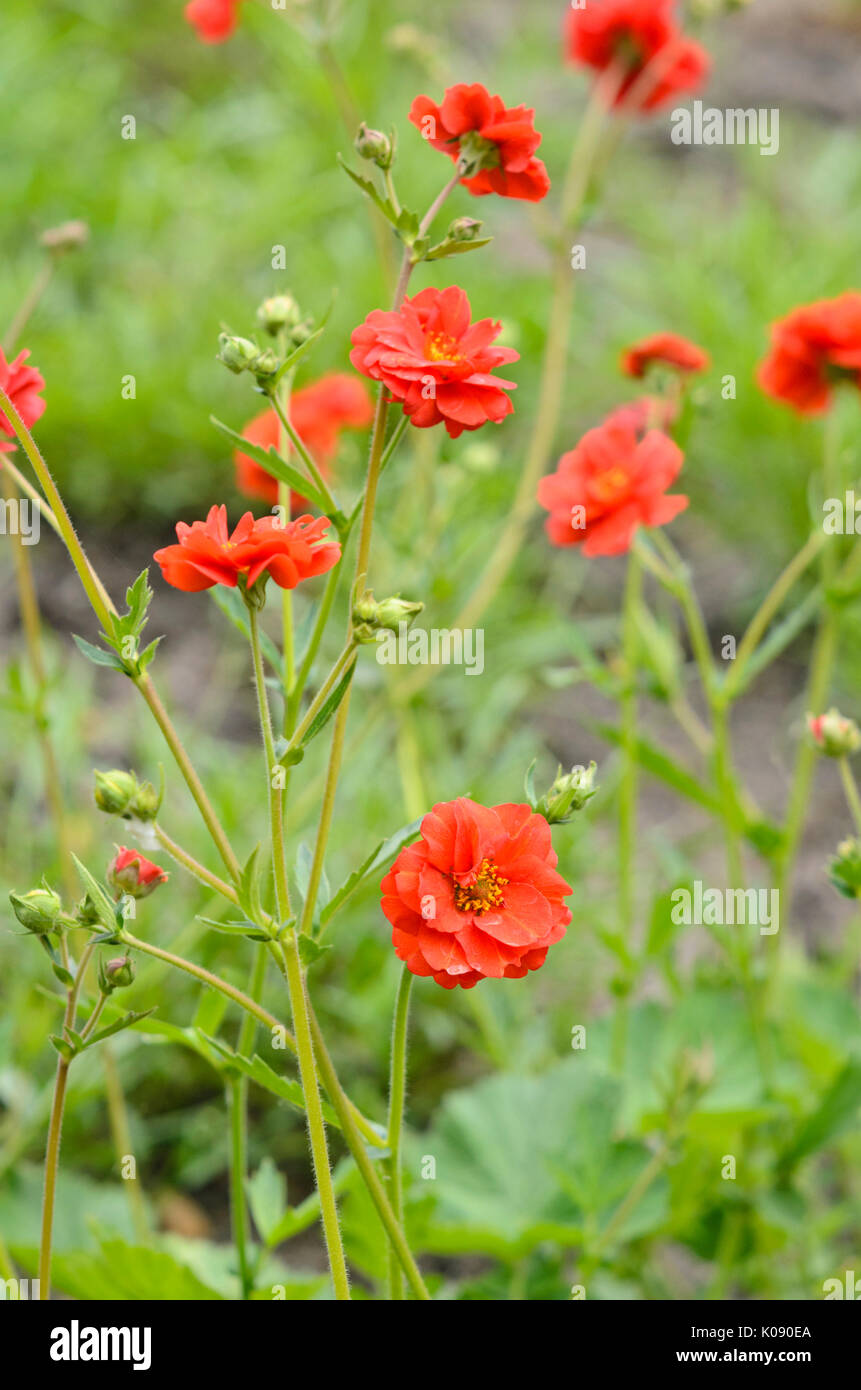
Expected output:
(485, 891)
(442, 347)
(607, 486)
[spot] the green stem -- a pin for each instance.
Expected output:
(397, 1099)
(770, 607)
(851, 789)
(197, 870)
(52, 1163)
(628, 790)
(237, 1099)
(357, 1148)
(121, 1134)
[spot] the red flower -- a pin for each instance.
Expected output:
(437, 364)
(812, 349)
(635, 35)
(666, 348)
(497, 144)
(206, 555)
(22, 385)
(477, 896)
(318, 413)
(214, 20)
(129, 872)
(609, 485)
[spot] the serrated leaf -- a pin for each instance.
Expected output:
(271, 460)
(261, 1073)
(267, 1198)
(310, 950)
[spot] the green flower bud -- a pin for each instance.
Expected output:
(115, 792)
(86, 912)
(569, 793)
(37, 910)
(371, 616)
(844, 870)
(237, 354)
(834, 735)
(375, 146)
(281, 311)
(464, 229)
(116, 974)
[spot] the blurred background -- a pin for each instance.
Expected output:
(235, 153)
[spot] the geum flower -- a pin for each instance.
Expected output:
(214, 20)
(495, 144)
(287, 552)
(666, 350)
(435, 362)
(318, 413)
(813, 349)
(611, 483)
(477, 896)
(22, 385)
(655, 60)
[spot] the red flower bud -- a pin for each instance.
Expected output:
(130, 872)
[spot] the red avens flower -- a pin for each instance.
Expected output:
(666, 349)
(22, 385)
(644, 414)
(129, 872)
(435, 362)
(633, 36)
(318, 413)
(812, 349)
(207, 555)
(610, 484)
(477, 896)
(214, 20)
(496, 143)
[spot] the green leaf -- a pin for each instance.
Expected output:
(778, 639)
(297, 1219)
(331, 704)
(376, 860)
(455, 248)
(271, 460)
(267, 1198)
(98, 655)
(102, 904)
(116, 1027)
(261, 1073)
(248, 888)
(130, 1273)
(662, 766)
(64, 1048)
(836, 1111)
(244, 928)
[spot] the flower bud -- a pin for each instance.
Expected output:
(464, 229)
(281, 311)
(569, 793)
(844, 869)
(371, 617)
(86, 913)
(130, 873)
(237, 354)
(118, 973)
(67, 237)
(374, 145)
(833, 734)
(119, 793)
(38, 910)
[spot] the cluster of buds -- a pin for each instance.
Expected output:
(373, 145)
(119, 793)
(39, 910)
(371, 616)
(241, 355)
(844, 869)
(118, 973)
(569, 793)
(131, 875)
(69, 236)
(834, 734)
(281, 317)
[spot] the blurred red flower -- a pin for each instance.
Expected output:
(636, 35)
(610, 484)
(666, 348)
(214, 20)
(497, 142)
(22, 385)
(644, 414)
(814, 348)
(318, 413)
(206, 555)
(129, 872)
(435, 362)
(477, 896)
